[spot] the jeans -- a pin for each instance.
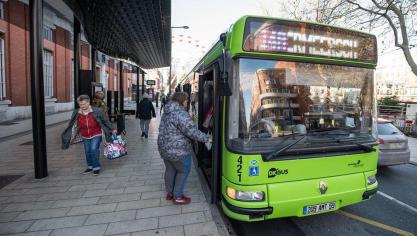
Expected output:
(144, 126)
(92, 152)
(176, 175)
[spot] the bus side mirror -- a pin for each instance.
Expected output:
(224, 88)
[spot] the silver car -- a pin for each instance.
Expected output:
(393, 145)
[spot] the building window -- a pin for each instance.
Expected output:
(2, 10)
(47, 33)
(2, 70)
(48, 73)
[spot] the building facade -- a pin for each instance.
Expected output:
(58, 56)
(395, 78)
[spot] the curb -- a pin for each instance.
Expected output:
(224, 227)
(23, 133)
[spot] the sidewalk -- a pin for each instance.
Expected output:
(128, 197)
(412, 144)
(24, 126)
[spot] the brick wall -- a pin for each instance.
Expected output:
(111, 74)
(15, 30)
(17, 53)
(85, 56)
(63, 60)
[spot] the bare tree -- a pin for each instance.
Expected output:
(395, 20)
(400, 16)
(322, 11)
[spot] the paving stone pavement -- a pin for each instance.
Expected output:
(127, 198)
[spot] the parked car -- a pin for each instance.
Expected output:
(393, 145)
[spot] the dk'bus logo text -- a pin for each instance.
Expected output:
(275, 171)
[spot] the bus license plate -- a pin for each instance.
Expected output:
(319, 208)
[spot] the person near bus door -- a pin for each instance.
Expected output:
(98, 101)
(176, 131)
(90, 123)
(163, 103)
(145, 113)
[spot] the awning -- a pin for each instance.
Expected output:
(138, 30)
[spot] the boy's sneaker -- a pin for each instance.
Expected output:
(96, 172)
(87, 171)
(182, 200)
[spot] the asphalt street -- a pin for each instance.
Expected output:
(393, 211)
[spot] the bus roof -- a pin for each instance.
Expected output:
(247, 37)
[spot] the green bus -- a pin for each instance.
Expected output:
(292, 109)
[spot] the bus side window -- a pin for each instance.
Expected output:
(208, 106)
(205, 123)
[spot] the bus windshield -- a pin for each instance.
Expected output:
(275, 101)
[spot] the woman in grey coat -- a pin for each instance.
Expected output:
(176, 131)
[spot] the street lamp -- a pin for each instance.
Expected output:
(170, 59)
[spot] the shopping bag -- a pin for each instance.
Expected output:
(116, 148)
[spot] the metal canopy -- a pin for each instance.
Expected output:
(139, 30)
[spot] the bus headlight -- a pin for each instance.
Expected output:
(244, 195)
(371, 179)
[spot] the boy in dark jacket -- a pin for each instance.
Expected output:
(145, 113)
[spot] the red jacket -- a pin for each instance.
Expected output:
(89, 127)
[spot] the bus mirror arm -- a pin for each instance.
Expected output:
(224, 88)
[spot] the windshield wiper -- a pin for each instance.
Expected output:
(331, 131)
(283, 149)
(364, 147)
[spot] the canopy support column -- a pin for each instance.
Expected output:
(143, 82)
(93, 65)
(121, 87)
(137, 90)
(37, 93)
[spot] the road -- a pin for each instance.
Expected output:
(393, 211)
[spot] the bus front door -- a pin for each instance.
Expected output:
(208, 118)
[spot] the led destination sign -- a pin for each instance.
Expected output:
(308, 39)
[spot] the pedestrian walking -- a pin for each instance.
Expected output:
(145, 113)
(98, 101)
(163, 103)
(90, 123)
(174, 145)
(192, 102)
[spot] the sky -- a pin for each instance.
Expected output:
(207, 20)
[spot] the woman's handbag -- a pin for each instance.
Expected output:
(116, 148)
(75, 134)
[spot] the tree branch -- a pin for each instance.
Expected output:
(405, 46)
(364, 9)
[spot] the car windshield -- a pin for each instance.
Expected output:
(387, 129)
(275, 101)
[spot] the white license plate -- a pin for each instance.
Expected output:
(396, 145)
(328, 206)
